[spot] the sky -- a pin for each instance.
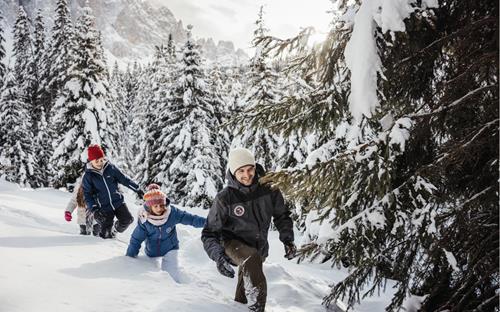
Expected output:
(234, 20)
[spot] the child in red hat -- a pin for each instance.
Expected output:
(102, 195)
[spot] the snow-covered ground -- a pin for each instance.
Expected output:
(45, 265)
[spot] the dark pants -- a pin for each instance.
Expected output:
(252, 285)
(124, 219)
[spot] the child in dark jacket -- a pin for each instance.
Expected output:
(156, 226)
(102, 195)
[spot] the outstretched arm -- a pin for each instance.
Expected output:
(184, 217)
(124, 180)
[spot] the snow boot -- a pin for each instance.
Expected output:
(96, 228)
(83, 229)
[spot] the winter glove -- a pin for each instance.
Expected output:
(290, 250)
(224, 266)
(67, 216)
(140, 193)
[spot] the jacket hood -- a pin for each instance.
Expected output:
(233, 183)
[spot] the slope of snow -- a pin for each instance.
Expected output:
(46, 266)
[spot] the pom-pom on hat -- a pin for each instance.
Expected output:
(95, 152)
(240, 157)
(154, 196)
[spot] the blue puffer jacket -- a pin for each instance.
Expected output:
(100, 187)
(161, 239)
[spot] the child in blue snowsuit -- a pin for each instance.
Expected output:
(156, 226)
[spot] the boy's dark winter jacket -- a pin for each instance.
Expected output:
(161, 239)
(244, 213)
(100, 187)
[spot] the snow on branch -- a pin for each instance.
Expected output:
(361, 53)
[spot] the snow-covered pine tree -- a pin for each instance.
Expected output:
(162, 79)
(262, 91)
(232, 89)
(58, 58)
(144, 115)
(417, 200)
(16, 158)
(41, 131)
(293, 148)
(130, 82)
(2, 51)
(81, 113)
(117, 97)
(171, 48)
(217, 94)
(191, 143)
(43, 151)
(38, 55)
(23, 53)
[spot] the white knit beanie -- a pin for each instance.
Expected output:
(240, 157)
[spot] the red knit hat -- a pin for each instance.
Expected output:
(95, 152)
(154, 196)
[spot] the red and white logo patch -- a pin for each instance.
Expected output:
(239, 211)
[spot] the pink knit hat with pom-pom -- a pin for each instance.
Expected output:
(154, 196)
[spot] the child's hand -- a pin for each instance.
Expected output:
(67, 216)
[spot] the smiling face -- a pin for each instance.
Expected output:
(158, 209)
(98, 163)
(245, 175)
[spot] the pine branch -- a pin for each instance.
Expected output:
(486, 126)
(454, 103)
(445, 39)
(488, 304)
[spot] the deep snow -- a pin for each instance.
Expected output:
(45, 265)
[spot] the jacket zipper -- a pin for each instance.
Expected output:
(109, 193)
(159, 241)
(105, 184)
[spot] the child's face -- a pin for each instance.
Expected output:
(158, 209)
(98, 163)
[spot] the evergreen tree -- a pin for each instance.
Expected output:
(43, 150)
(145, 113)
(58, 57)
(262, 92)
(162, 80)
(218, 95)
(409, 191)
(171, 48)
(16, 158)
(2, 51)
(81, 114)
(192, 147)
(117, 97)
(38, 55)
(23, 52)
